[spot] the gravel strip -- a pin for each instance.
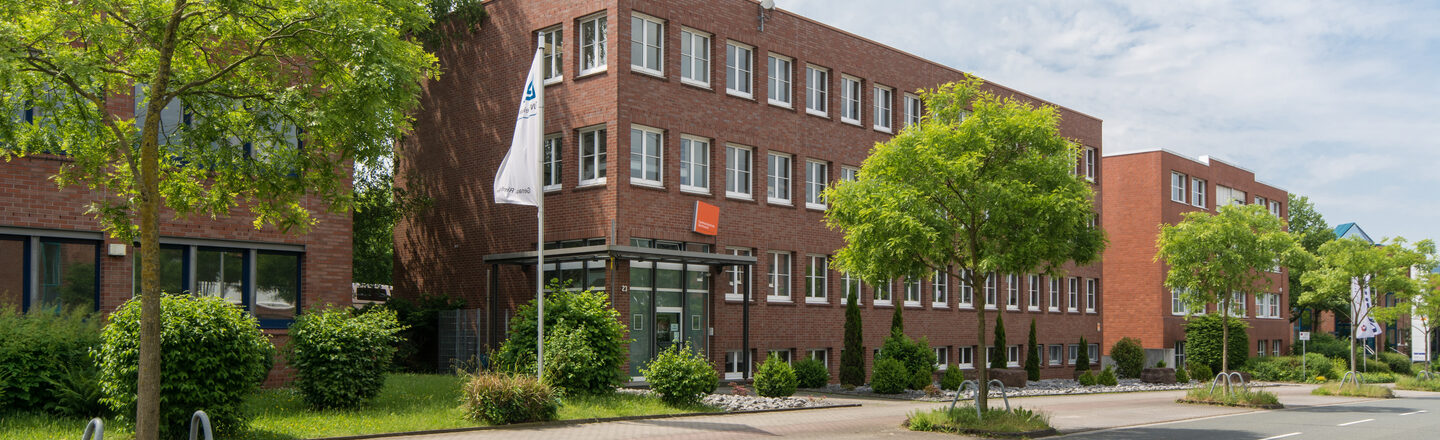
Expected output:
(732, 402)
(1046, 387)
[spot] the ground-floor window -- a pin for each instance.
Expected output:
(49, 273)
(965, 356)
(1074, 353)
(1094, 353)
(1275, 348)
(263, 281)
(822, 355)
(942, 357)
(735, 365)
(1055, 354)
(1179, 354)
(1013, 356)
(783, 354)
(1262, 347)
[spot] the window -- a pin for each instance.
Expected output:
(1197, 192)
(965, 356)
(1177, 302)
(1054, 353)
(816, 288)
(779, 76)
(592, 45)
(882, 293)
(64, 274)
(551, 65)
(174, 270)
(552, 163)
(777, 182)
(592, 156)
(735, 365)
(1262, 347)
(1275, 347)
(1275, 207)
(990, 298)
(942, 358)
(784, 355)
(264, 282)
(738, 69)
(739, 277)
(884, 99)
(1180, 354)
(221, 273)
(1054, 294)
(1237, 304)
(1034, 304)
(1074, 353)
(1094, 353)
(1092, 169)
(1092, 289)
(913, 107)
(912, 292)
(277, 286)
(694, 164)
(695, 57)
(647, 44)
(820, 354)
(645, 156)
(737, 171)
(967, 292)
(849, 174)
(1177, 187)
(849, 99)
(779, 276)
(1073, 299)
(1260, 201)
(1012, 356)
(1012, 292)
(817, 90)
(1275, 305)
(1225, 196)
(817, 177)
(941, 284)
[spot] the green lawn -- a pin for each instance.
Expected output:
(410, 402)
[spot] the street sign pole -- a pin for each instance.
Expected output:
(1304, 336)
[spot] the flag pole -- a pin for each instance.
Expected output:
(540, 231)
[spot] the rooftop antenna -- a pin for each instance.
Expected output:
(765, 5)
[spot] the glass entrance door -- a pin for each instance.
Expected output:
(667, 308)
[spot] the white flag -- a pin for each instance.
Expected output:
(1360, 298)
(518, 180)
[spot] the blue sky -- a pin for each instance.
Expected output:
(1335, 100)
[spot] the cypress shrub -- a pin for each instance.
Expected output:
(952, 378)
(1082, 359)
(1001, 350)
(1032, 355)
(1107, 377)
(897, 322)
(852, 357)
(1203, 341)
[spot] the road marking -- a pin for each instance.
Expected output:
(1281, 436)
(1414, 413)
(1354, 422)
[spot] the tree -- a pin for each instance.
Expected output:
(897, 322)
(1032, 355)
(1310, 228)
(1001, 352)
(1384, 268)
(1082, 359)
(1212, 258)
(993, 191)
(1426, 305)
(379, 204)
(852, 357)
(256, 79)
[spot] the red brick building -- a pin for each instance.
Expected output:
(1146, 189)
(717, 102)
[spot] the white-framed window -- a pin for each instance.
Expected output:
(817, 177)
(777, 179)
(738, 165)
(552, 62)
(552, 162)
(779, 276)
(1074, 353)
(779, 74)
(1177, 302)
(1073, 296)
(1180, 354)
(735, 365)
(1275, 305)
(942, 358)
(1275, 347)
(695, 57)
(820, 354)
(1275, 207)
(817, 90)
(940, 284)
(592, 156)
(816, 283)
(1177, 187)
(694, 164)
(1237, 304)
(1054, 294)
(850, 99)
(1261, 201)
(965, 357)
(1225, 196)
(1054, 353)
(645, 155)
(1092, 164)
(592, 44)
(1012, 356)
(990, 294)
(884, 101)
(739, 277)
(647, 44)
(783, 354)
(1093, 351)
(1262, 308)
(849, 174)
(1197, 192)
(883, 293)
(1012, 292)
(912, 292)
(850, 284)
(739, 69)
(1034, 304)
(1092, 290)
(913, 109)
(967, 293)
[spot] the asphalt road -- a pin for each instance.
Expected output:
(1390, 419)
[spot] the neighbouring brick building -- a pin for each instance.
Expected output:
(1147, 189)
(706, 101)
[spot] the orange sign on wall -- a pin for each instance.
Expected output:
(707, 218)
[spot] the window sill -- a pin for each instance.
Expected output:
(815, 207)
(1090, 311)
(779, 300)
(1052, 309)
(740, 94)
(591, 72)
(882, 304)
(967, 307)
(1071, 311)
(781, 104)
(939, 305)
(1012, 308)
(738, 196)
(854, 122)
(647, 184)
(553, 81)
(778, 202)
(966, 366)
(912, 305)
(885, 130)
(694, 83)
(816, 113)
(809, 300)
(647, 71)
(735, 298)
(551, 188)
(591, 183)
(695, 190)
(1033, 309)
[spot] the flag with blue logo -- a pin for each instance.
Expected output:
(518, 180)
(1360, 299)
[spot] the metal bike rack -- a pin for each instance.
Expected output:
(200, 423)
(95, 430)
(972, 384)
(1229, 385)
(1352, 376)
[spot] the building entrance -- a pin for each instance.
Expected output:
(667, 308)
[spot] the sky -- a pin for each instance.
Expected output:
(1335, 100)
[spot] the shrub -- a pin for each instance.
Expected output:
(1317, 364)
(1082, 360)
(1160, 364)
(419, 344)
(214, 356)
(998, 361)
(570, 362)
(1107, 377)
(952, 378)
(1087, 378)
(811, 373)
(964, 420)
(1397, 362)
(502, 399)
(775, 378)
(1326, 344)
(587, 311)
(916, 356)
(852, 357)
(680, 375)
(932, 391)
(75, 392)
(35, 350)
(1181, 377)
(1378, 377)
(1236, 397)
(890, 376)
(1199, 370)
(1032, 355)
(340, 358)
(1129, 357)
(1203, 341)
(1290, 368)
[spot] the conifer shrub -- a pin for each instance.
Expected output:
(998, 361)
(1082, 359)
(952, 378)
(1032, 355)
(852, 357)
(1181, 377)
(811, 373)
(1129, 357)
(775, 378)
(890, 377)
(1087, 378)
(1107, 377)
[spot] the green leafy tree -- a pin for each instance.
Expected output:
(379, 204)
(993, 191)
(999, 359)
(251, 76)
(1032, 355)
(1211, 256)
(1386, 266)
(852, 357)
(1426, 305)
(1310, 228)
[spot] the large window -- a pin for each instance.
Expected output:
(941, 290)
(645, 155)
(967, 292)
(849, 174)
(1197, 192)
(942, 358)
(592, 156)
(1225, 196)
(592, 44)
(777, 182)
(884, 100)
(965, 356)
(1012, 292)
(263, 281)
(694, 164)
(1034, 286)
(1177, 187)
(912, 292)
(1237, 304)
(13, 253)
(552, 163)
(735, 365)
(1012, 358)
(174, 270)
(647, 44)
(990, 294)
(913, 109)
(739, 277)
(551, 64)
(882, 293)
(850, 99)
(1177, 302)
(737, 171)
(738, 69)
(695, 57)
(779, 80)
(1054, 353)
(820, 354)
(817, 90)
(1092, 164)
(779, 276)
(1092, 293)
(1054, 294)
(849, 284)
(65, 276)
(277, 285)
(817, 177)
(1073, 296)
(816, 287)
